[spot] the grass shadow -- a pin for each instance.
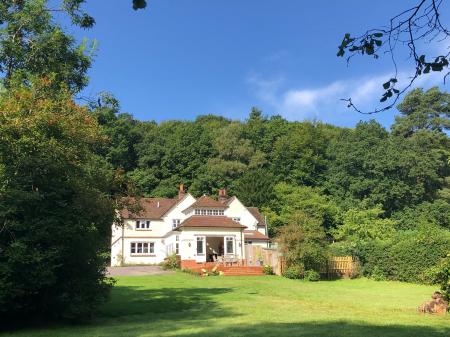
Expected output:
(321, 329)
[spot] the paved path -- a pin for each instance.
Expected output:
(137, 271)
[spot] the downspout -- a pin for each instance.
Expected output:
(123, 245)
(267, 230)
(242, 245)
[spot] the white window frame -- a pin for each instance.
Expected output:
(228, 239)
(140, 248)
(203, 240)
(142, 225)
(177, 245)
(175, 223)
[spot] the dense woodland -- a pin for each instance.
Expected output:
(380, 194)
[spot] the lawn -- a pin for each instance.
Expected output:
(184, 305)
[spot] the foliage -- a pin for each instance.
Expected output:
(413, 27)
(377, 274)
(292, 199)
(364, 225)
(406, 256)
(268, 270)
(311, 276)
(303, 241)
(421, 110)
(32, 44)
(294, 272)
(255, 188)
(171, 262)
(440, 274)
(55, 208)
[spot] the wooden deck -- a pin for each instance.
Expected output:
(234, 270)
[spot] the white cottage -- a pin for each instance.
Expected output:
(197, 230)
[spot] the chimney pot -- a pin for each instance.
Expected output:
(222, 195)
(181, 191)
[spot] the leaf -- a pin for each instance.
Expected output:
(139, 4)
(395, 90)
(386, 85)
(436, 67)
(393, 80)
(427, 69)
(383, 99)
(378, 43)
(378, 34)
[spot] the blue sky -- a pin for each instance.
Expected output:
(182, 58)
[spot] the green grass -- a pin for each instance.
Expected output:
(186, 305)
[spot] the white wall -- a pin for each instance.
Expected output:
(188, 236)
(237, 209)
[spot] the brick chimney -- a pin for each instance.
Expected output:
(223, 195)
(181, 191)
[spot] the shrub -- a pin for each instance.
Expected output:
(294, 272)
(377, 274)
(405, 258)
(268, 270)
(312, 276)
(440, 274)
(171, 262)
(413, 254)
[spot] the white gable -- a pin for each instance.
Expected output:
(236, 209)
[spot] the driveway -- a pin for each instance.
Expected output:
(137, 271)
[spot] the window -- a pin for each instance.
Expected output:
(237, 219)
(200, 241)
(142, 248)
(208, 211)
(229, 245)
(175, 223)
(177, 245)
(142, 224)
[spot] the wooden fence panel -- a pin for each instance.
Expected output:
(336, 267)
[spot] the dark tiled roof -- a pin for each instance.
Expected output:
(210, 221)
(205, 201)
(147, 208)
(258, 216)
(254, 235)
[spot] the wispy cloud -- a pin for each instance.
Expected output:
(325, 102)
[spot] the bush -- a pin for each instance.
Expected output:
(440, 274)
(377, 274)
(294, 272)
(406, 257)
(268, 270)
(170, 262)
(312, 276)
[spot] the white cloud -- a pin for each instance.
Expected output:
(325, 102)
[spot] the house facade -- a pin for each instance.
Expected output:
(197, 230)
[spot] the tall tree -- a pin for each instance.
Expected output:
(55, 206)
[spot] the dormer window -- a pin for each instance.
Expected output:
(142, 224)
(208, 211)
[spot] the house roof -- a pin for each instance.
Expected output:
(255, 235)
(205, 201)
(258, 216)
(210, 221)
(147, 208)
